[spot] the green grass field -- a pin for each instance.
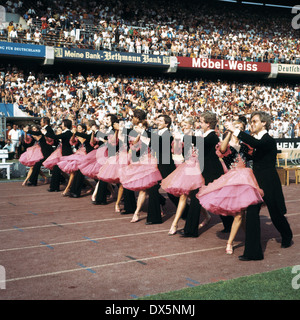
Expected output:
(273, 285)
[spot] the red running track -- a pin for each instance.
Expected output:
(60, 248)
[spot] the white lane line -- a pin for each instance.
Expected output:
(119, 263)
(66, 224)
(102, 220)
(85, 240)
(112, 264)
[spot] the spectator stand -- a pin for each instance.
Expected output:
(151, 30)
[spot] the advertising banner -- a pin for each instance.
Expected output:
(292, 147)
(218, 64)
(289, 68)
(288, 143)
(111, 57)
(22, 49)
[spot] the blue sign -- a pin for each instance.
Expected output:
(22, 49)
(6, 110)
(111, 56)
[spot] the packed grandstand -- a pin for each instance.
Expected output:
(191, 29)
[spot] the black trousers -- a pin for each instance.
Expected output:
(35, 172)
(129, 201)
(55, 178)
(78, 183)
(279, 220)
(193, 217)
(129, 197)
(154, 202)
(101, 195)
(253, 249)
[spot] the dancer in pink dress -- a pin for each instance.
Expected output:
(142, 172)
(109, 172)
(69, 164)
(32, 155)
(55, 156)
(237, 189)
(94, 160)
(185, 178)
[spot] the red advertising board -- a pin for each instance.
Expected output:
(217, 64)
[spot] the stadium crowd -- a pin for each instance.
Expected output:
(161, 28)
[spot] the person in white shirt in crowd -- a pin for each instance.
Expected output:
(10, 148)
(37, 36)
(14, 135)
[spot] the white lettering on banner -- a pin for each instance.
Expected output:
(148, 59)
(223, 64)
(111, 56)
(73, 54)
(95, 56)
(288, 145)
(20, 49)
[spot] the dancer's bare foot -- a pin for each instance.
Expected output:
(135, 218)
(172, 231)
(205, 222)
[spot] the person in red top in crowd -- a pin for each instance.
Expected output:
(44, 27)
(49, 94)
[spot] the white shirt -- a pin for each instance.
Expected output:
(14, 134)
(260, 134)
(161, 131)
(206, 133)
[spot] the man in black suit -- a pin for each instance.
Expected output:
(161, 147)
(65, 137)
(46, 147)
(212, 169)
(264, 161)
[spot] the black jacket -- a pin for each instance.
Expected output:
(47, 148)
(161, 147)
(264, 161)
(65, 141)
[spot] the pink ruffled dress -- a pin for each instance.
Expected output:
(142, 174)
(232, 192)
(32, 155)
(185, 178)
(54, 158)
(70, 163)
(93, 161)
(110, 170)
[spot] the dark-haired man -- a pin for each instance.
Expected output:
(161, 147)
(65, 137)
(46, 147)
